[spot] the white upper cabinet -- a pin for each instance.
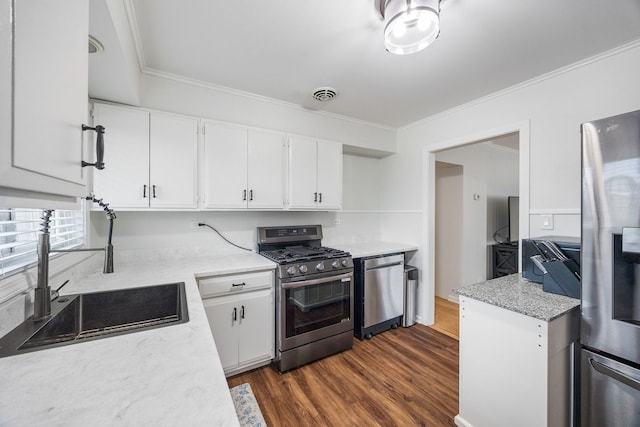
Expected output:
(266, 169)
(315, 174)
(123, 183)
(329, 174)
(243, 168)
(43, 96)
(150, 159)
(173, 153)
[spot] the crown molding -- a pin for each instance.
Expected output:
(576, 65)
(259, 98)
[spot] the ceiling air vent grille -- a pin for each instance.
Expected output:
(324, 94)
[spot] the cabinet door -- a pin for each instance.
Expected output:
(47, 68)
(256, 313)
(173, 151)
(223, 316)
(225, 166)
(302, 172)
(266, 169)
(329, 175)
(124, 181)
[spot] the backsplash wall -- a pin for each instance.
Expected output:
(157, 230)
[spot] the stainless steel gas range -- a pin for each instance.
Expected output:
(314, 294)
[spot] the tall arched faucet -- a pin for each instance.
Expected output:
(42, 296)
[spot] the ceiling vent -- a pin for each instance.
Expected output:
(324, 94)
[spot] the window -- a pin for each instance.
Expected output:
(19, 235)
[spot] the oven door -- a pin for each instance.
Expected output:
(314, 308)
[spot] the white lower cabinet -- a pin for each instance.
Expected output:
(240, 310)
(515, 370)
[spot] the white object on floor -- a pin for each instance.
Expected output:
(247, 408)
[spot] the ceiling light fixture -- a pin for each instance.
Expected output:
(410, 25)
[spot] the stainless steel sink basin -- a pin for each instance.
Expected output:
(82, 317)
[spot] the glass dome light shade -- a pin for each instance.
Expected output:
(410, 25)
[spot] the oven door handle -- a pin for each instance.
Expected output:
(303, 283)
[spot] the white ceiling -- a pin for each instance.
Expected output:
(283, 49)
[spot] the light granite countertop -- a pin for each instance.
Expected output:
(521, 296)
(367, 249)
(162, 377)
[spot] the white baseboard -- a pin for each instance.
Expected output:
(461, 422)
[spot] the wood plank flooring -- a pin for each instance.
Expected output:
(447, 318)
(402, 377)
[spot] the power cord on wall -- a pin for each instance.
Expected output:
(202, 224)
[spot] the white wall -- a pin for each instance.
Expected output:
(449, 235)
(502, 182)
(554, 107)
(205, 101)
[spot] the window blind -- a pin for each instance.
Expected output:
(19, 235)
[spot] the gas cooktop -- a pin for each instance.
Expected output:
(291, 254)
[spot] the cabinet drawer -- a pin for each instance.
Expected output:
(233, 283)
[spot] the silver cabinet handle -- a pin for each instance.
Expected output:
(144, 191)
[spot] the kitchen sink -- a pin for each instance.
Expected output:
(82, 317)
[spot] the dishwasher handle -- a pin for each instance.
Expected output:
(378, 267)
(383, 262)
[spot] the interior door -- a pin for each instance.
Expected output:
(173, 161)
(124, 181)
(256, 319)
(266, 169)
(225, 166)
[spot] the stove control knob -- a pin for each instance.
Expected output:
(320, 266)
(344, 262)
(335, 264)
(303, 269)
(292, 270)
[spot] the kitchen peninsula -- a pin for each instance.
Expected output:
(165, 376)
(517, 349)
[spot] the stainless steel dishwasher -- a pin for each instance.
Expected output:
(378, 294)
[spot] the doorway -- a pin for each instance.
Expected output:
(471, 264)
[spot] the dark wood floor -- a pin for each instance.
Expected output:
(402, 377)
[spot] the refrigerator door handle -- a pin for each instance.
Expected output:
(616, 375)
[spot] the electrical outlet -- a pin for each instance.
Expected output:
(547, 222)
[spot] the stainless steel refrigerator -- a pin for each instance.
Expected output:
(610, 329)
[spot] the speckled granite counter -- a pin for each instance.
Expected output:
(162, 377)
(360, 250)
(520, 295)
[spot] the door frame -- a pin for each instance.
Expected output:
(428, 197)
